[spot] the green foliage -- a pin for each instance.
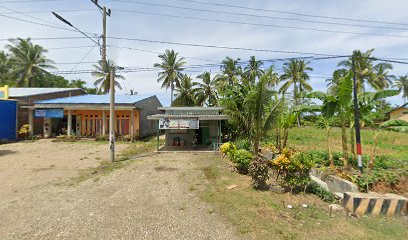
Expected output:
(315, 189)
(66, 138)
(396, 125)
(297, 175)
(258, 170)
(103, 73)
(227, 147)
(369, 179)
(243, 144)
(242, 158)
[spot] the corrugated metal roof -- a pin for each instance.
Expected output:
(26, 92)
(94, 99)
(190, 108)
(200, 117)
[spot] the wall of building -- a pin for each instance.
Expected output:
(148, 107)
(400, 113)
(186, 135)
(8, 110)
(29, 101)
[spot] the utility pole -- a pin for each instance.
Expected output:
(112, 116)
(357, 120)
(107, 12)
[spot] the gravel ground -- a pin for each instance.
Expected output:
(148, 199)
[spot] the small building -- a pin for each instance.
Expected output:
(400, 113)
(8, 120)
(188, 126)
(26, 97)
(88, 115)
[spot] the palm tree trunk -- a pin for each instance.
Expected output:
(278, 139)
(344, 144)
(171, 95)
(295, 97)
(329, 148)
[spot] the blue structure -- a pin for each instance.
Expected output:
(8, 120)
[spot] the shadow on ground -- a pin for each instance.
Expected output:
(6, 152)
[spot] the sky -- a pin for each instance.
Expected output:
(257, 24)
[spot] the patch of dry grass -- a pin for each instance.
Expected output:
(264, 215)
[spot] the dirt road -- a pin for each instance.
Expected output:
(148, 199)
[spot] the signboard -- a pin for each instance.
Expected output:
(178, 123)
(49, 113)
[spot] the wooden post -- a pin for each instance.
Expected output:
(132, 124)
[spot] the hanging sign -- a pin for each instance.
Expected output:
(178, 123)
(49, 113)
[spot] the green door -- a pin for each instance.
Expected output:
(205, 136)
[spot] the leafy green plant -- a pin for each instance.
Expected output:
(66, 138)
(227, 147)
(315, 189)
(258, 170)
(243, 144)
(242, 158)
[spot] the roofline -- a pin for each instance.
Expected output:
(190, 108)
(198, 116)
(402, 106)
(30, 95)
(98, 106)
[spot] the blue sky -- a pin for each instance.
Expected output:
(125, 22)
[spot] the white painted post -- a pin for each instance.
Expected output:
(31, 121)
(103, 122)
(132, 123)
(69, 123)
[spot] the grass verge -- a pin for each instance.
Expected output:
(264, 215)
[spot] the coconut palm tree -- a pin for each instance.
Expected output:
(382, 76)
(253, 69)
(230, 73)
(184, 93)
(402, 84)
(77, 83)
(295, 73)
(172, 67)
(206, 91)
(102, 72)
(4, 68)
(28, 62)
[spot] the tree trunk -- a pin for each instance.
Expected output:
(285, 136)
(352, 143)
(374, 149)
(331, 160)
(295, 93)
(277, 143)
(344, 144)
(171, 97)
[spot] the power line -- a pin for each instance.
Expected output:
(48, 11)
(254, 15)
(28, 1)
(269, 25)
(293, 13)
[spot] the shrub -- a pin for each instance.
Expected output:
(242, 158)
(227, 148)
(24, 132)
(270, 147)
(315, 189)
(258, 170)
(243, 144)
(293, 168)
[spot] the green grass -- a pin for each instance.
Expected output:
(264, 215)
(389, 143)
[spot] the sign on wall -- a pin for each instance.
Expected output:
(178, 123)
(49, 113)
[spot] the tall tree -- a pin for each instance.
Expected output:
(402, 84)
(295, 73)
(77, 83)
(28, 62)
(253, 70)
(382, 75)
(184, 93)
(206, 91)
(231, 72)
(172, 67)
(103, 72)
(4, 68)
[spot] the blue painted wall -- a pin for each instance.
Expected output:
(8, 129)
